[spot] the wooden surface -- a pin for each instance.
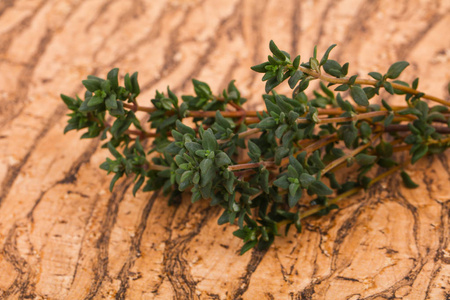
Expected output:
(63, 235)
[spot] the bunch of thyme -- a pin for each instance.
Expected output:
(294, 147)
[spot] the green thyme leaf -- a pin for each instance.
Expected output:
(364, 159)
(359, 96)
(92, 85)
(261, 68)
(113, 78)
(274, 49)
(254, 149)
(407, 181)
(327, 53)
(222, 159)
(396, 69)
(419, 153)
(320, 189)
(267, 123)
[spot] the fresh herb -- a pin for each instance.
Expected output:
(294, 147)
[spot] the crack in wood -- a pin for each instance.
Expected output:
(134, 252)
(100, 267)
(257, 257)
(25, 283)
(176, 267)
(14, 171)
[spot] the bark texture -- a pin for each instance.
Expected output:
(63, 235)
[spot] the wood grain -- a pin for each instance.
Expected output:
(63, 235)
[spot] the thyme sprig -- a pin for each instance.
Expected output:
(294, 148)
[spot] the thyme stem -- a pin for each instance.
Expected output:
(372, 82)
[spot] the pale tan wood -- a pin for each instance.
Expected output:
(63, 235)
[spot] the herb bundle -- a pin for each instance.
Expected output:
(293, 148)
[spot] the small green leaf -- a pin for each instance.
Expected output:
(247, 246)
(364, 159)
(111, 102)
(280, 75)
(222, 159)
(254, 149)
(271, 84)
(138, 185)
(320, 189)
(201, 88)
(359, 96)
(196, 178)
(387, 163)
(294, 198)
(264, 180)
(333, 68)
(128, 84)
(184, 129)
(396, 69)
(376, 75)
(222, 121)
(314, 63)
(296, 164)
(292, 172)
(205, 165)
(179, 160)
(435, 116)
(196, 196)
(388, 87)
(348, 134)
(345, 105)
(113, 181)
(410, 111)
(327, 53)
(295, 78)
(333, 181)
(296, 62)
(113, 151)
(134, 83)
(240, 233)
(261, 68)
(280, 152)
(282, 182)
(384, 149)
(342, 88)
(106, 86)
(389, 119)
(352, 79)
(209, 141)
(386, 105)
(92, 85)
(193, 147)
(69, 101)
(274, 49)
(407, 181)
(113, 78)
(419, 153)
(187, 176)
(293, 187)
(365, 129)
(303, 85)
(306, 180)
(229, 185)
(280, 130)
(267, 123)
(370, 92)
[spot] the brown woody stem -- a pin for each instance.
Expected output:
(351, 154)
(372, 82)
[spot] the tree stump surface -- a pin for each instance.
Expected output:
(63, 235)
